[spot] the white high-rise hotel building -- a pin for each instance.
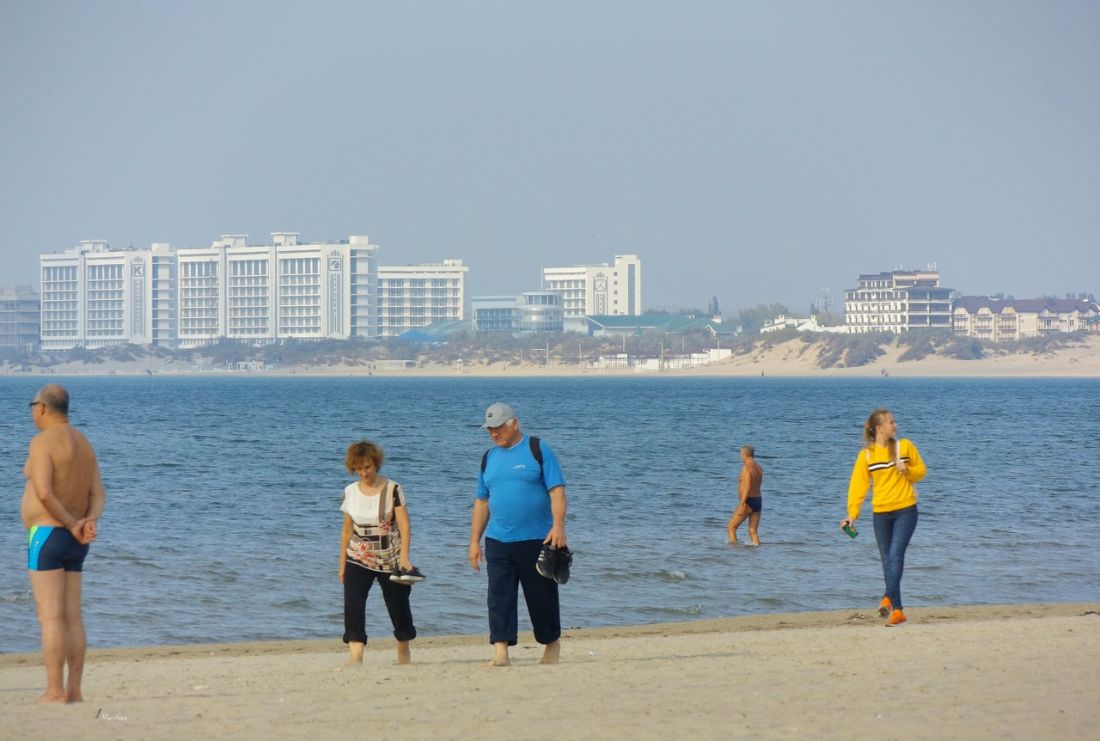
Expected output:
(411, 296)
(282, 290)
(598, 290)
(93, 296)
(897, 302)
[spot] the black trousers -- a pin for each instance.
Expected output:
(357, 584)
(511, 565)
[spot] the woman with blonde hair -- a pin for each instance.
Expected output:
(890, 467)
(374, 546)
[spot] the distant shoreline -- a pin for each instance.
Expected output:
(794, 358)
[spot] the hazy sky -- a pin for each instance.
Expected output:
(755, 152)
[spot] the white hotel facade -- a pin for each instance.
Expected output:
(411, 296)
(93, 296)
(598, 290)
(897, 302)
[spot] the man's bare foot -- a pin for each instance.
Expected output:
(733, 541)
(403, 655)
(500, 657)
(550, 653)
(355, 655)
(74, 697)
(50, 698)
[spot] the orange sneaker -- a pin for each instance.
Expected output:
(897, 617)
(885, 607)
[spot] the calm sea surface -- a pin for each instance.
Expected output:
(222, 520)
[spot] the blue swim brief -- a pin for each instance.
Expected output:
(50, 548)
(755, 503)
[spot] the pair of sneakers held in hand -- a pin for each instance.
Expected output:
(554, 563)
(407, 576)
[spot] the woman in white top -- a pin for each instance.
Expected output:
(374, 545)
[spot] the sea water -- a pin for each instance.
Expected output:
(223, 522)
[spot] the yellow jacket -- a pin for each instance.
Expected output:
(892, 490)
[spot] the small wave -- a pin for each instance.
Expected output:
(17, 597)
(672, 575)
(772, 602)
(696, 609)
(299, 603)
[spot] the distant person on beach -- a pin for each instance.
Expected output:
(750, 502)
(520, 509)
(890, 466)
(62, 503)
(374, 546)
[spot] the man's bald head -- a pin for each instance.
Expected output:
(55, 398)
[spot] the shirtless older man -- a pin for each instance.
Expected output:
(62, 501)
(749, 499)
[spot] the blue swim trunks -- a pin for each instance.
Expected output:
(755, 503)
(50, 548)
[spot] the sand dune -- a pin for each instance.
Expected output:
(790, 358)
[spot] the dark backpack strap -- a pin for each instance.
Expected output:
(484, 460)
(536, 451)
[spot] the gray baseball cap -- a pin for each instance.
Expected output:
(498, 414)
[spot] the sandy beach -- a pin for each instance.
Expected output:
(793, 358)
(1004, 671)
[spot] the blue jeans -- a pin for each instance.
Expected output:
(892, 532)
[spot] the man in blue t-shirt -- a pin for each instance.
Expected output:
(520, 506)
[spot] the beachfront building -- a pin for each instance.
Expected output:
(613, 289)
(665, 324)
(19, 318)
(283, 290)
(782, 321)
(534, 311)
(94, 296)
(539, 311)
(493, 313)
(1009, 320)
(897, 302)
(414, 296)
